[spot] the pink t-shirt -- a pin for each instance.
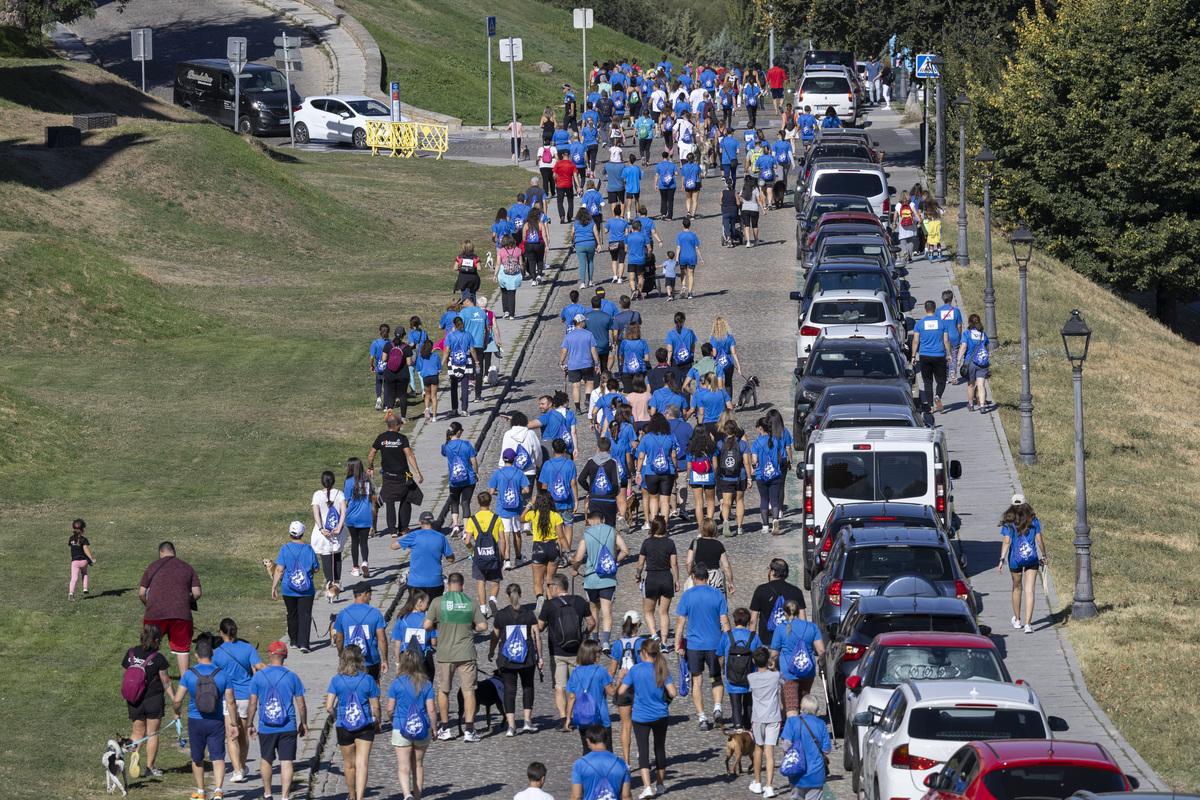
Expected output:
(640, 404)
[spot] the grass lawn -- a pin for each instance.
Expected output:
(438, 52)
(185, 317)
(1142, 440)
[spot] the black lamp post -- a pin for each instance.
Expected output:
(939, 159)
(1022, 244)
(987, 163)
(1076, 338)
(963, 104)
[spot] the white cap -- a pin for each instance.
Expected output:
(1018, 499)
(296, 529)
(634, 617)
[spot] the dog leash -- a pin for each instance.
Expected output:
(175, 723)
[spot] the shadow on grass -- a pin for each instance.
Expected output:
(52, 88)
(111, 593)
(35, 166)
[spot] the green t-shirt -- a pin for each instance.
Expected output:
(455, 616)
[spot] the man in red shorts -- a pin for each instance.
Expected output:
(168, 590)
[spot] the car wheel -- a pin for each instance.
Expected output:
(244, 126)
(300, 132)
(360, 139)
(847, 756)
(856, 779)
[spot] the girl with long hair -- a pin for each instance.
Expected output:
(656, 467)
(409, 621)
(354, 696)
(147, 714)
(658, 572)
(702, 471)
(81, 557)
(588, 676)
(733, 471)
(724, 353)
(462, 467)
(329, 528)
(521, 622)
(429, 365)
(797, 646)
(624, 656)
(767, 458)
(1023, 552)
(410, 687)
(359, 492)
(585, 234)
(546, 525)
(652, 686)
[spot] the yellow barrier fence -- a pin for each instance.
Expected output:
(405, 138)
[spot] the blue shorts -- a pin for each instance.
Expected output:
(206, 733)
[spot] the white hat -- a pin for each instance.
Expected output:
(634, 617)
(296, 529)
(579, 318)
(1018, 499)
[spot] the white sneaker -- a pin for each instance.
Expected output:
(507, 564)
(1016, 623)
(660, 789)
(646, 525)
(647, 792)
(472, 736)
(445, 735)
(355, 573)
(529, 727)
(756, 787)
(238, 777)
(378, 404)
(1029, 629)
(768, 791)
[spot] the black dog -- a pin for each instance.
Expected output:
(525, 153)
(488, 692)
(749, 394)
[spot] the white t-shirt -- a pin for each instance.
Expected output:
(696, 98)
(533, 793)
(908, 232)
(322, 544)
(680, 127)
(658, 100)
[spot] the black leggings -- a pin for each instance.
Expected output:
(768, 495)
(358, 545)
(395, 392)
(535, 257)
(607, 739)
(566, 193)
(742, 705)
(455, 391)
(508, 301)
(933, 378)
(460, 501)
(591, 156)
(509, 676)
(547, 181)
(396, 487)
(299, 619)
(641, 732)
(666, 206)
(331, 566)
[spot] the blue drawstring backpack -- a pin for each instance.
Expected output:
(516, 649)
(416, 724)
(586, 711)
(299, 580)
(685, 678)
(794, 762)
(272, 711)
(606, 565)
(777, 617)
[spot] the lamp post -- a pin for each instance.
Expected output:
(1022, 244)
(963, 104)
(987, 161)
(939, 158)
(1076, 338)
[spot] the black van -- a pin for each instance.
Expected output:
(206, 85)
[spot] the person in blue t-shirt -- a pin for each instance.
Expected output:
(409, 625)
(652, 687)
(688, 246)
(278, 717)
(379, 362)
(599, 767)
(517, 212)
(692, 175)
(354, 697)
(664, 179)
(710, 402)
(359, 492)
(952, 320)
(637, 243)
(462, 466)
(977, 373)
(362, 624)
(808, 731)
(594, 680)
(207, 730)
(295, 564)
(656, 467)
(428, 548)
(633, 354)
(807, 123)
(579, 359)
(616, 229)
(632, 176)
(798, 646)
(750, 94)
(930, 344)
(768, 456)
(411, 693)
(831, 118)
(739, 693)
(703, 619)
(511, 487)
(766, 165)
(730, 153)
(241, 661)
(681, 344)
(784, 157)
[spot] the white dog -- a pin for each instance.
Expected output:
(113, 762)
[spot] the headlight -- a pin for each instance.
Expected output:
(259, 104)
(811, 396)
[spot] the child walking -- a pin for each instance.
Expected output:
(670, 271)
(765, 683)
(932, 225)
(81, 557)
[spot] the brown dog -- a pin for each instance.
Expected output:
(270, 566)
(737, 746)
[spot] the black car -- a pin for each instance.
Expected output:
(865, 394)
(206, 85)
(808, 212)
(867, 617)
(848, 362)
(845, 274)
(813, 242)
(866, 515)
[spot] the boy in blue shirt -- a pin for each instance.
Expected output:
(703, 619)
(930, 344)
(688, 245)
(782, 150)
(664, 178)
(952, 321)
(277, 694)
(808, 126)
(362, 624)
(632, 176)
(428, 547)
(599, 765)
(669, 268)
(379, 362)
(206, 729)
(743, 663)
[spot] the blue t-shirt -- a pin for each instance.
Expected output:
(238, 659)
(665, 170)
(359, 511)
(289, 686)
(750, 94)
(831, 122)
(557, 424)
(501, 228)
(712, 401)
(683, 344)
(808, 126)
(297, 554)
(722, 350)
(767, 449)
(411, 626)
(475, 323)
(691, 175)
(579, 343)
(635, 247)
(561, 139)
(647, 225)
(598, 324)
(402, 691)
(593, 679)
(670, 268)
(588, 133)
(584, 234)
(783, 151)
(633, 354)
(681, 432)
(358, 623)
(687, 242)
(428, 367)
(766, 164)
(665, 397)
(603, 409)
(600, 765)
(973, 338)
(656, 445)
(458, 453)
(361, 685)
(592, 201)
(730, 150)
(507, 483)
(616, 227)
(188, 681)
(377, 353)
(578, 152)
(632, 175)
(648, 701)
(517, 213)
(703, 605)
(612, 176)
(557, 473)
(794, 730)
(618, 99)
(798, 633)
(459, 344)
(741, 636)
(952, 320)
(609, 307)
(591, 116)
(425, 562)
(446, 323)
(570, 310)
(708, 79)
(931, 343)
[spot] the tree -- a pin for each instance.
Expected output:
(36, 17)
(1094, 124)
(722, 48)
(743, 27)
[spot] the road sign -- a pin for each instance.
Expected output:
(396, 115)
(235, 53)
(510, 50)
(925, 66)
(287, 41)
(143, 44)
(491, 25)
(583, 18)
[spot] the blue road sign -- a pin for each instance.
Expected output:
(925, 66)
(491, 26)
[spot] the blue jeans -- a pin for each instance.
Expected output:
(730, 223)
(586, 253)
(729, 171)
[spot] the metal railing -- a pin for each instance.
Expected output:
(406, 138)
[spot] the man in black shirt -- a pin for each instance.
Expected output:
(565, 615)
(654, 378)
(762, 605)
(598, 480)
(396, 462)
(604, 109)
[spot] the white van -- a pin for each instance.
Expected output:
(871, 465)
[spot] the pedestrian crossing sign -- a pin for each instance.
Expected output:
(925, 66)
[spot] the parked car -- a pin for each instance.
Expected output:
(834, 362)
(861, 309)
(338, 118)
(846, 275)
(1026, 768)
(869, 515)
(867, 617)
(896, 656)
(854, 178)
(873, 247)
(815, 57)
(841, 228)
(826, 89)
(924, 724)
(808, 215)
(833, 150)
(206, 85)
(861, 216)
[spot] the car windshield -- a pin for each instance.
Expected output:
(865, 312)
(833, 249)
(820, 207)
(369, 108)
(869, 422)
(871, 627)
(971, 724)
(865, 476)
(866, 184)
(855, 363)
(1050, 780)
(841, 280)
(267, 81)
(888, 561)
(826, 84)
(921, 663)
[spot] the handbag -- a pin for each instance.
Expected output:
(824, 756)
(962, 371)
(415, 496)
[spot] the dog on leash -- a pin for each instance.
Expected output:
(270, 566)
(749, 393)
(489, 692)
(525, 153)
(738, 745)
(113, 761)
(332, 592)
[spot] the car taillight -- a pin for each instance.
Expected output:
(827, 544)
(808, 492)
(850, 96)
(296, 108)
(887, 205)
(809, 330)
(799, 95)
(854, 652)
(939, 493)
(961, 591)
(891, 329)
(902, 759)
(834, 592)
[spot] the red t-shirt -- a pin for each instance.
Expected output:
(169, 582)
(775, 77)
(564, 173)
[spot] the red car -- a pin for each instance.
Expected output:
(1023, 768)
(843, 217)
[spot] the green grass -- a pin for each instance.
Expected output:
(437, 51)
(184, 318)
(1142, 439)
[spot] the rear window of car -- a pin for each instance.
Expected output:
(845, 312)
(840, 151)
(886, 561)
(973, 724)
(835, 249)
(873, 626)
(927, 663)
(870, 423)
(1050, 780)
(834, 280)
(820, 207)
(865, 184)
(826, 84)
(856, 363)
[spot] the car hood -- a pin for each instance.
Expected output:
(816, 384)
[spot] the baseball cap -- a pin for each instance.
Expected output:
(1018, 499)
(297, 529)
(426, 516)
(277, 648)
(579, 318)
(509, 454)
(362, 587)
(634, 617)
(600, 291)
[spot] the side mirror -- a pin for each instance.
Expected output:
(933, 780)
(955, 470)
(854, 683)
(891, 190)
(865, 719)
(909, 324)
(1058, 725)
(798, 372)
(1133, 782)
(797, 296)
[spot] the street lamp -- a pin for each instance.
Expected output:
(939, 159)
(1076, 338)
(986, 160)
(1022, 244)
(963, 104)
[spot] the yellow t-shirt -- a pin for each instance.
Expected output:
(933, 231)
(478, 522)
(555, 520)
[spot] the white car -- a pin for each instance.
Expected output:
(826, 88)
(853, 312)
(925, 723)
(337, 118)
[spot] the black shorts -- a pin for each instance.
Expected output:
(347, 738)
(618, 252)
(670, 281)
(493, 575)
(596, 595)
(434, 592)
(546, 552)
(777, 94)
(658, 584)
(580, 375)
(152, 706)
(615, 197)
(659, 485)
(277, 746)
(430, 380)
(697, 659)
(726, 486)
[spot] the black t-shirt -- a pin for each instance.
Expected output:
(157, 665)
(391, 446)
(764, 602)
(708, 552)
(587, 477)
(77, 553)
(728, 201)
(405, 354)
(552, 607)
(658, 551)
(656, 381)
(504, 619)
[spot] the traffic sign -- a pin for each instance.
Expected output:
(143, 44)
(295, 65)
(583, 18)
(510, 50)
(287, 41)
(235, 53)
(491, 25)
(925, 66)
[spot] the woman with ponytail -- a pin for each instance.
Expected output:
(329, 530)
(508, 626)
(652, 687)
(462, 466)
